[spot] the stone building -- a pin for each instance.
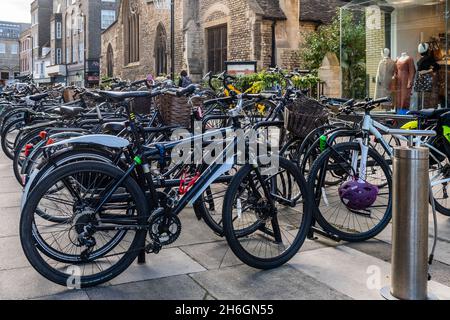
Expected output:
(208, 33)
(75, 28)
(41, 11)
(25, 52)
(9, 50)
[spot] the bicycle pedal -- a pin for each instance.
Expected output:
(153, 248)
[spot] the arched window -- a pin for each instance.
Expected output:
(161, 50)
(110, 61)
(131, 31)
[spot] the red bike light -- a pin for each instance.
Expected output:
(50, 141)
(43, 135)
(28, 149)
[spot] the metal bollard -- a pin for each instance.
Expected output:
(409, 273)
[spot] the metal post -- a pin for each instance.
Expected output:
(409, 273)
(172, 38)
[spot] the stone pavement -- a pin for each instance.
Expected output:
(200, 266)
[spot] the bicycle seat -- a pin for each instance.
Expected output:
(70, 112)
(38, 97)
(120, 96)
(114, 127)
(429, 113)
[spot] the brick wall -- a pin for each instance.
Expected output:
(375, 43)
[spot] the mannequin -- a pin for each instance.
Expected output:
(404, 74)
(426, 81)
(385, 75)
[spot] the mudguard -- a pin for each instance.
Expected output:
(95, 139)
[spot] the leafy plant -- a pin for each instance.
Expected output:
(327, 38)
(262, 81)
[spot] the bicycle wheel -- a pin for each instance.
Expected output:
(31, 138)
(79, 246)
(440, 180)
(273, 207)
(333, 212)
(210, 205)
(9, 135)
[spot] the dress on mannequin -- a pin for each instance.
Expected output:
(386, 71)
(405, 74)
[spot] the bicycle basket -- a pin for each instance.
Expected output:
(176, 111)
(142, 105)
(304, 115)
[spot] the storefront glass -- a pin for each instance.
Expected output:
(396, 48)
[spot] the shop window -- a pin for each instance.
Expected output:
(217, 48)
(403, 53)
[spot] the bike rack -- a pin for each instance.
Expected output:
(410, 207)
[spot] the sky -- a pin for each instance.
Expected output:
(15, 10)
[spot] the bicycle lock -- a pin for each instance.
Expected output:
(410, 208)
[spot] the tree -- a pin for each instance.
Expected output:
(327, 38)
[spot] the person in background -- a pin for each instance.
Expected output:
(184, 79)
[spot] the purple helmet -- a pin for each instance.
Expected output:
(358, 195)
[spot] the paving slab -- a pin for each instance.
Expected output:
(443, 247)
(11, 254)
(169, 262)
(245, 283)
(9, 225)
(194, 231)
(10, 199)
(9, 184)
(352, 272)
(6, 169)
(216, 255)
(68, 295)
(440, 272)
(172, 288)
(213, 255)
(26, 283)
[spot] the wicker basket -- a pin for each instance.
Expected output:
(304, 115)
(142, 105)
(176, 111)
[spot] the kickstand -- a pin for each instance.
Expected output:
(141, 257)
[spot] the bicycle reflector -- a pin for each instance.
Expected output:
(43, 135)
(50, 141)
(28, 148)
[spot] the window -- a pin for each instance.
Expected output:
(5, 75)
(131, 33)
(161, 50)
(2, 48)
(58, 30)
(14, 48)
(58, 56)
(108, 17)
(74, 53)
(68, 29)
(110, 61)
(81, 51)
(217, 48)
(67, 54)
